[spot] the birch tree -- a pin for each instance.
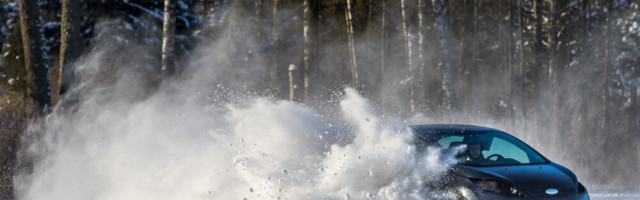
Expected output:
(606, 117)
(407, 39)
(69, 43)
(352, 48)
(169, 65)
(520, 70)
(421, 60)
(552, 71)
(307, 43)
(515, 58)
(441, 26)
(258, 7)
(274, 47)
(383, 45)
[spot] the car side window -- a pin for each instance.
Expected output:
(446, 141)
(506, 149)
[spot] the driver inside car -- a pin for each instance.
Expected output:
(473, 151)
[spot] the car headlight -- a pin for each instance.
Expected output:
(498, 187)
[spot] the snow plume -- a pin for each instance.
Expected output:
(169, 147)
(190, 138)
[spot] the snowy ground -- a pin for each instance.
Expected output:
(614, 196)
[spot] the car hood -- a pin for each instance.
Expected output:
(531, 178)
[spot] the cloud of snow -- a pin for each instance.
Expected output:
(172, 146)
(201, 136)
(216, 131)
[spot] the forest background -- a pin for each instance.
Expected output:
(566, 70)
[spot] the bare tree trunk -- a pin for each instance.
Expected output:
(383, 44)
(37, 78)
(533, 70)
(69, 44)
(370, 12)
(474, 39)
(421, 36)
(540, 47)
(262, 39)
(521, 72)
(447, 86)
(471, 58)
(510, 50)
(605, 75)
(420, 79)
(169, 65)
(514, 79)
(552, 42)
(507, 48)
(552, 71)
(541, 69)
(292, 86)
(409, 55)
(352, 48)
(258, 8)
(274, 48)
(307, 43)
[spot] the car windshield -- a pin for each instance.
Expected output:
(489, 149)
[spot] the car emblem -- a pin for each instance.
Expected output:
(551, 191)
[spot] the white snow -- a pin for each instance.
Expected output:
(134, 18)
(148, 11)
(183, 5)
(88, 30)
(167, 149)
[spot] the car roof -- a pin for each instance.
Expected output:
(435, 128)
(426, 131)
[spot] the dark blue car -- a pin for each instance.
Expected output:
(495, 165)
